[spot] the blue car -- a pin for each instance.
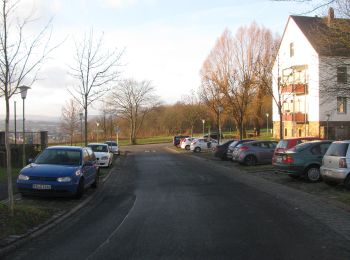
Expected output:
(59, 171)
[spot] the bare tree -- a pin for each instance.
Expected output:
(133, 101)
(70, 120)
(96, 68)
(21, 58)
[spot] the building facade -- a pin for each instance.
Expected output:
(310, 80)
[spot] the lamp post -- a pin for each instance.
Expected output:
(328, 116)
(15, 103)
(97, 125)
(220, 108)
(267, 124)
(81, 127)
(23, 90)
(203, 122)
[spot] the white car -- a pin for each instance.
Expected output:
(103, 155)
(202, 144)
(185, 143)
(113, 147)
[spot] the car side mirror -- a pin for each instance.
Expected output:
(30, 160)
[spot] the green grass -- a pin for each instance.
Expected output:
(26, 216)
(149, 140)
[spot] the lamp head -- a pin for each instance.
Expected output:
(23, 90)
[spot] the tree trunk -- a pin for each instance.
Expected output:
(85, 123)
(8, 157)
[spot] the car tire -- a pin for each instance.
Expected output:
(313, 174)
(80, 189)
(197, 150)
(187, 147)
(250, 160)
(94, 185)
(347, 182)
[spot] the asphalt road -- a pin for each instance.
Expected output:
(161, 205)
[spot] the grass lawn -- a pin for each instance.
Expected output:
(26, 216)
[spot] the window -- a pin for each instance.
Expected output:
(341, 105)
(285, 131)
(342, 75)
(291, 49)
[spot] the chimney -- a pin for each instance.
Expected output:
(330, 16)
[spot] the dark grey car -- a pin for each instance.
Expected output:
(255, 152)
(232, 146)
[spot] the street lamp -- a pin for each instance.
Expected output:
(97, 124)
(220, 108)
(203, 122)
(267, 124)
(23, 90)
(81, 127)
(328, 116)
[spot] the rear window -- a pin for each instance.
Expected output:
(337, 149)
(300, 147)
(282, 144)
(111, 143)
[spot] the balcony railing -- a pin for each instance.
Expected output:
(297, 117)
(297, 89)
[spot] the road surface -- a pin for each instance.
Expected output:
(158, 204)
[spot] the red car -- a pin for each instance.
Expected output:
(286, 144)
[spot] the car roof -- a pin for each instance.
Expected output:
(97, 144)
(64, 147)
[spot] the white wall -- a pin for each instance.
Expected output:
(304, 54)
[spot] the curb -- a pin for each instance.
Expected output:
(15, 241)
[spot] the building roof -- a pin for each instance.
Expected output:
(328, 36)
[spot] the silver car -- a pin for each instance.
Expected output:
(255, 152)
(335, 164)
(113, 147)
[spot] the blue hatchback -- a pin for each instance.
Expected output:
(59, 171)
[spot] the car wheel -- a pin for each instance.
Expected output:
(313, 174)
(95, 183)
(347, 182)
(187, 147)
(197, 149)
(250, 160)
(80, 189)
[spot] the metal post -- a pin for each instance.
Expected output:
(203, 121)
(267, 124)
(15, 122)
(24, 137)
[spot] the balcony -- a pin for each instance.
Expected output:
(297, 117)
(297, 89)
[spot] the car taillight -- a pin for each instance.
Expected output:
(287, 159)
(243, 148)
(342, 163)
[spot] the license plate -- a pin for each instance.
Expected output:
(41, 187)
(279, 159)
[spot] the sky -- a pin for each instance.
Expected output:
(163, 41)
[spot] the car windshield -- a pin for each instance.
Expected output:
(234, 144)
(337, 149)
(111, 143)
(99, 148)
(59, 157)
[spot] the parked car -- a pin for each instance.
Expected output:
(302, 160)
(113, 147)
(233, 145)
(336, 164)
(186, 142)
(103, 155)
(254, 152)
(60, 171)
(201, 144)
(214, 135)
(220, 151)
(286, 144)
(177, 138)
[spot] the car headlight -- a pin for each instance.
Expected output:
(78, 173)
(23, 177)
(104, 158)
(64, 179)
